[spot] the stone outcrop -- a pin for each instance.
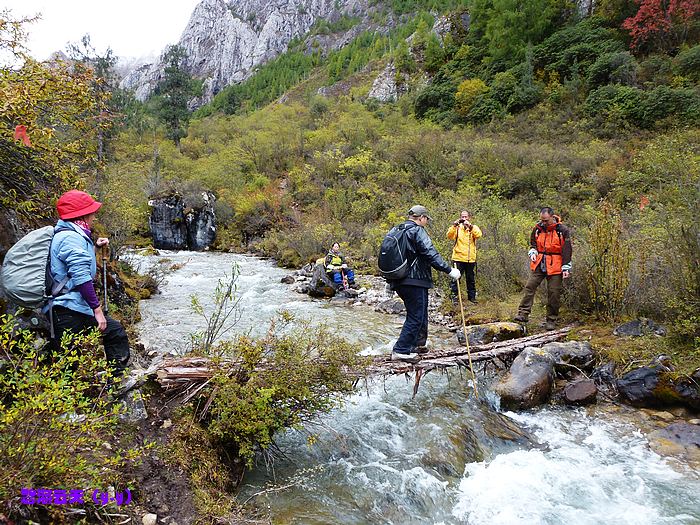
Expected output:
(225, 40)
(483, 334)
(384, 87)
(178, 225)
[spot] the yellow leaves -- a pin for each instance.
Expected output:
(467, 93)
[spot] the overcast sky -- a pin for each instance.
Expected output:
(132, 28)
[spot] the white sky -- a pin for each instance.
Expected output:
(132, 28)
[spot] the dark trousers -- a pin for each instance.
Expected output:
(554, 287)
(415, 328)
(114, 338)
(468, 269)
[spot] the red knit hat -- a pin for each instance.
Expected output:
(75, 203)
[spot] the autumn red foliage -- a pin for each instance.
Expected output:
(661, 24)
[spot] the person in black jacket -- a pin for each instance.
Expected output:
(413, 289)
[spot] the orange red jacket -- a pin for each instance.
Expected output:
(553, 245)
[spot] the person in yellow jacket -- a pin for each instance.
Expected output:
(464, 235)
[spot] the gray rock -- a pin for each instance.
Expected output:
(639, 327)
(135, 408)
(391, 306)
(482, 334)
(384, 87)
(677, 439)
(578, 353)
(580, 392)
(529, 381)
(320, 285)
(654, 387)
(288, 279)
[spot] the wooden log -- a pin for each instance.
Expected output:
(179, 371)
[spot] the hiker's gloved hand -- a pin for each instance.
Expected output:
(100, 318)
(102, 241)
(566, 270)
(532, 254)
(455, 274)
(344, 266)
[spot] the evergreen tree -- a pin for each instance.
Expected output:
(173, 93)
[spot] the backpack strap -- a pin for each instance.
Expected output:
(57, 288)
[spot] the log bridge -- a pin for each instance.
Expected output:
(192, 373)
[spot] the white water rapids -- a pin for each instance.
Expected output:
(441, 458)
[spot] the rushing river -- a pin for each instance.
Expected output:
(439, 458)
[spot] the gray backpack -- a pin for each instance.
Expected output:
(25, 277)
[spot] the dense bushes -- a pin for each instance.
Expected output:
(55, 416)
(617, 104)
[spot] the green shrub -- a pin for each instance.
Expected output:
(280, 381)
(503, 86)
(687, 63)
(55, 415)
(484, 109)
(663, 102)
(614, 101)
(613, 68)
(655, 70)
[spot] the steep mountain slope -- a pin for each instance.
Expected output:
(225, 41)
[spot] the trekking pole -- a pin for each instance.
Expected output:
(466, 338)
(104, 276)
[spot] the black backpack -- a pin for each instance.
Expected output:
(393, 258)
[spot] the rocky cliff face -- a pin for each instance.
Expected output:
(225, 40)
(178, 225)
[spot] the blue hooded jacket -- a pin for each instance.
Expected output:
(73, 254)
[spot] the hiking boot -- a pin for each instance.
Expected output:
(473, 301)
(422, 349)
(408, 358)
(520, 319)
(550, 325)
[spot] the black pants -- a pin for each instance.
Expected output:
(114, 338)
(468, 269)
(415, 328)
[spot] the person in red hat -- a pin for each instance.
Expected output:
(73, 263)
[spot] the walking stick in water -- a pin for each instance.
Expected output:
(466, 338)
(104, 275)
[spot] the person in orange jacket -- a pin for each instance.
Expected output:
(464, 235)
(550, 258)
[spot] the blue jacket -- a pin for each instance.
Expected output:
(73, 254)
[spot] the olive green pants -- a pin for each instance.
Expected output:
(554, 288)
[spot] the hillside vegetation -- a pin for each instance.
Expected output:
(517, 106)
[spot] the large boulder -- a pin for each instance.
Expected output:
(639, 327)
(320, 285)
(482, 334)
(654, 387)
(529, 381)
(570, 356)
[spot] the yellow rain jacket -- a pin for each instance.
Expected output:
(465, 248)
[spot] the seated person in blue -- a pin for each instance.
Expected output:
(336, 267)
